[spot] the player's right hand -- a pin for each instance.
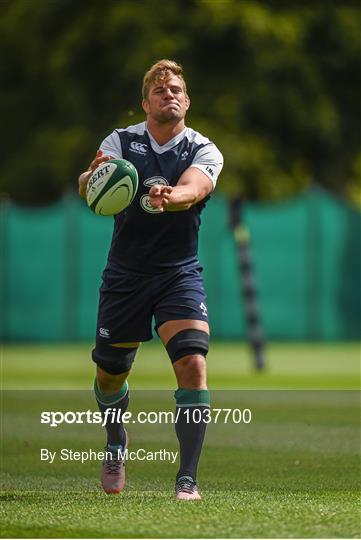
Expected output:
(84, 177)
(159, 196)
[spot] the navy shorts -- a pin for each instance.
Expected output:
(128, 302)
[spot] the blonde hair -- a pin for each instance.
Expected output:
(160, 72)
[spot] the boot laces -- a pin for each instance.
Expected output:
(113, 465)
(186, 484)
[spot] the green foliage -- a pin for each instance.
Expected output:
(275, 84)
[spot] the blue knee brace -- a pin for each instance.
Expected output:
(114, 360)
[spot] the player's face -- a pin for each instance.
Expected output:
(167, 101)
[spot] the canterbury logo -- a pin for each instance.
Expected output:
(138, 147)
(104, 332)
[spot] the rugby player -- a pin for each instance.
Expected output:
(153, 269)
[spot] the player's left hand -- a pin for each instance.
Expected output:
(159, 196)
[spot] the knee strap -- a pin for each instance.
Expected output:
(114, 360)
(187, 342)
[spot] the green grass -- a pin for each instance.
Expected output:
(152, 515)
(292, 472)
(229, 366)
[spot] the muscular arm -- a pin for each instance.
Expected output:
(192, 187)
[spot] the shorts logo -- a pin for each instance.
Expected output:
(204, 309)
(104, 332)
(144, 200)
(138, 147)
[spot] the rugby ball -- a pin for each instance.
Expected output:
(112, 187)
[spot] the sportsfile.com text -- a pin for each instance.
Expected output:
(198, 415)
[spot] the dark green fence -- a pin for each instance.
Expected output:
(306, 255)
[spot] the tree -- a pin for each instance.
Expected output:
(275, 84)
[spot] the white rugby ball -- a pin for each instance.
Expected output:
(112, 187)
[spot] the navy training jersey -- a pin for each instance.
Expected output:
(145, 239)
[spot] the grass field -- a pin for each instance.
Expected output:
(292, 472)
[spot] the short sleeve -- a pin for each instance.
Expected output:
(210, 161)
(111, 146)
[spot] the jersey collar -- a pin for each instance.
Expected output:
(160, 149)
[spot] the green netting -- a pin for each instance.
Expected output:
(32, 274)
(306, 256)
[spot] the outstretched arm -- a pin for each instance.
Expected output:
(192, 187)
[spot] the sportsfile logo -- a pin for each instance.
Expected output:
(112, 415)
(138, 147)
